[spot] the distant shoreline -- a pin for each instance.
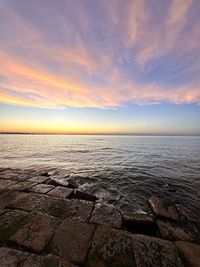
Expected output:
(105, 134)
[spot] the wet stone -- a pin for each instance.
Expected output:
(151, 251)
(60, 191)
(189, 253)
(84, 196)
(4, 183)
(11, 221)
(140, 223)
(22, 186)
(163, 208)
(38, 179)
(58, 207)
(72, 239)
(107, 215)
(171, 231)
(36, 234)
(42, 188)
(111, 248)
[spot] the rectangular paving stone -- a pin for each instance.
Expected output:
(42, 188)
(63, 208)
(72, 239)
(36, 233)
(7, 198)
(60, 191)
(189, 253)
(22, 186)
(5, 183)
(107, 215)
(111, 248)
(151, 251)
(11, 221)
(38, 179)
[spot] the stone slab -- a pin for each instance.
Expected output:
(52, 260)
(189, 253)
(155, 252)
(111, 248)
(38, 179)
(84, 196)
(5, 183)
(172, 231)
(72, 239)
(140, 223)
(36, 234)
(11, 221)
(42, 188)
(163, 208)
(22, 186)
(60, 191)
(63, 208)
(107, 215)
(7, 198)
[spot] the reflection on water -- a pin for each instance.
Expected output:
(122, 170)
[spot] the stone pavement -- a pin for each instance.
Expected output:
(43, 223)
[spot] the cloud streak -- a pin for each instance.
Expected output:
(101, 56)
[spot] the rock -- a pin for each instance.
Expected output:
(84, 196)
(140, 223)
(56, 182)
(107, 215)
(163, 208)
(11, 221)
(52, 260)
(155, 252)
(42, 188)
(60, 191)
(72, 184)
(36, 234)
(38, 179)
(72, 239)
(189, 253)
(45, 174)
(11, 257)
(63, 208)
(9, 197)
(111, 248)
(4, 183)
(22, 186)
(172, 231)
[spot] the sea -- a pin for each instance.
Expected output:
(120, 170)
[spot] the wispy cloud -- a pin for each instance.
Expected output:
(101, 56)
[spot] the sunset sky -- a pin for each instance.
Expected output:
(100, 66)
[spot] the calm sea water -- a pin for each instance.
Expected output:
(121, 170)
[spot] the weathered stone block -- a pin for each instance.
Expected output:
(5, 184)
(140, 223)
(107, 215)
(11, 221)
(36, 234)
(111, 248)
(151, 251)
(60, 191)
(72, 239)
(11, 257)
(58, 207)
(84, 196)
(23, 186)
(38, 179)
(172, 231)
(163, 208)
(42, 188)
(189, 253)
(52, 260)
(9, 197)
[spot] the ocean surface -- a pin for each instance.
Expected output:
(121, 170)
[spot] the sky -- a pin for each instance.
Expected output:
(100, 67)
